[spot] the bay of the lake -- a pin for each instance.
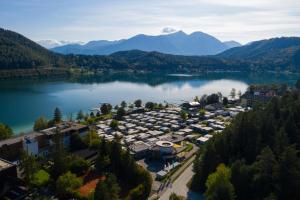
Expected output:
(23, 101)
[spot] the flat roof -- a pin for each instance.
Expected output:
(20, 138)
(155, 133)
(203, 139)
(139, 146)
(5, 164)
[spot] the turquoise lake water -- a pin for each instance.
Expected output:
(24, 101)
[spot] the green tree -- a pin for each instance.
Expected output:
(297, 85)
(161, 106)
(120, 112)
(40, 124)
(103, 160)
(107, 189)
(92, 115)
(40, 178)
(183, 115)
(116, 156)
(150, 105)
(219, 186)
(79, 166)
(28, 166)
(80, 115)
(59, 156)
(225, 101)
(136, 193)
(239, 94)
(114, 124)
(92, 139)
(123, 104)
(138, 103)
(213, 98)
(201, 112)
(105, 108)
(57, 115)
(67, 184)
(5, 132)
(232, 93)
(101, 191)
(116, 107)
(289, 174)
(76, 142)
(113, 186)
(266, 173)
(242, 179)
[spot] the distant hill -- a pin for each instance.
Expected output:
(178, 43)
(16, 51)
(231, 44)
(89, 48)
(282, 53)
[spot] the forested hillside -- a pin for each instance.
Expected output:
(261, 152)
(277, 53)
(16, 51)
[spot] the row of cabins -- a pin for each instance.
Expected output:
(142, 126)
(211, 122)
(141, 131)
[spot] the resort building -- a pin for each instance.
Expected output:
(38, 143)
(8, 176)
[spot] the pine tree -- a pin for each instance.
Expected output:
(57, 115)
(232, 93)
(107, 189)
(40, 123)
(80, 115)
(123, 104)
(138, 103)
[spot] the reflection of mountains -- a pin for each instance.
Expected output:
(155, 79)
(195, 80)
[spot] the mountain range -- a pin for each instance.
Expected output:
(21, 57)
(178, 43)
(49, 44)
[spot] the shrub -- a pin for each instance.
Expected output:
(40, 178)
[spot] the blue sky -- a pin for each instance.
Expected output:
(85, 20)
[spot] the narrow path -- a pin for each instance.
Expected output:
(179, 186)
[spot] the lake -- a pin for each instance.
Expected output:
(24, 101)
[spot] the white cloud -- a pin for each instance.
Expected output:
(168, 30)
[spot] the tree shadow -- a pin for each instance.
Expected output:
(194, 196)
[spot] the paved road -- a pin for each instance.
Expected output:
(179, 186)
